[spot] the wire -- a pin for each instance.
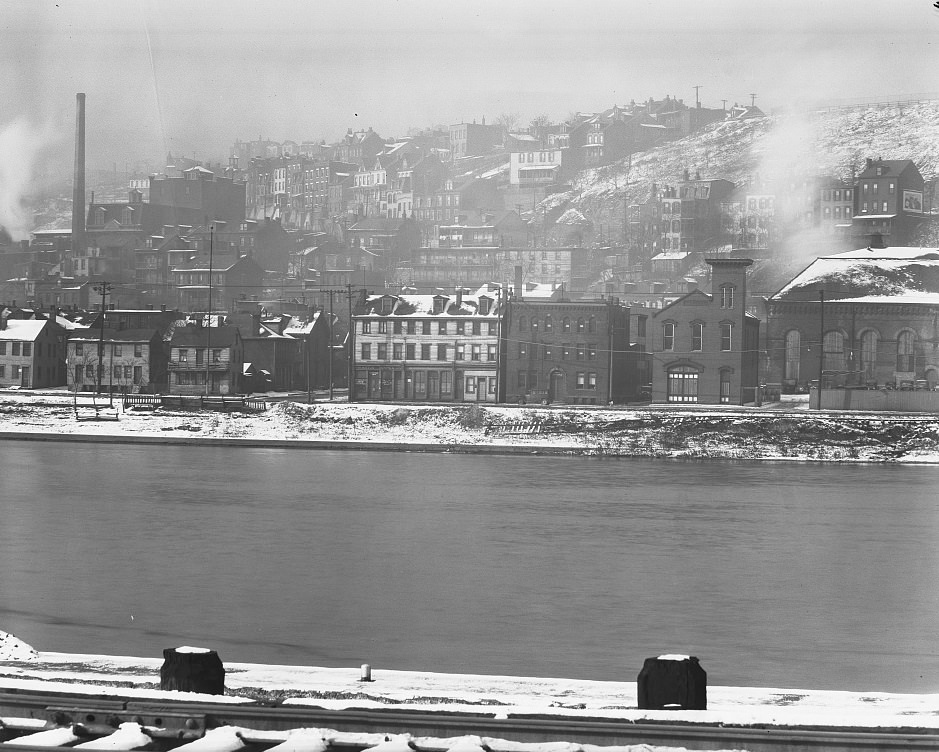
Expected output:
(156, 89)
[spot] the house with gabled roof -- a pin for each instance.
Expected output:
(705, 346)
(205, 354)
(32, 352)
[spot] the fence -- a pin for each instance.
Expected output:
(196, 402)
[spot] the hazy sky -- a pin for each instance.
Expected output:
(191, 76)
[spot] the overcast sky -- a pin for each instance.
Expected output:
(192, 76)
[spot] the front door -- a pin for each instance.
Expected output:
(24, 376)
(556, 387)
(433, 385)
(481, 388)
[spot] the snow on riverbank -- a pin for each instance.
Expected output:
(339, 688)
(713, 432)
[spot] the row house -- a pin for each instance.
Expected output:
(32, 352)
(473, 139)
(705, 347)
(562, 351)
(873, 331)
(441, 204)
(116, 360)
(230, 280)
(888, 200)
(205, 360)
(428, 347)
(836, 206)
(358, 147)
(391, 241)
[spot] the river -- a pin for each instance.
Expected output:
(773, 574)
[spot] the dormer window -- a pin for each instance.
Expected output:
(439, 304)
(387, 304)
(485, 305)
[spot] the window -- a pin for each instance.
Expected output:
(548, 352)
(522, 381)
(697, 336)
(366, 351)
(891, 188)
(682, 385)
(581, 324)
(441, 327)
(412, 327)
(565, 324)
(420, 383)
(581, 352)
(383, 327)
(397, 327)
(138, 351)
(382, 351)
(441, 352)
(668, 336)
(27, 348)
(476, 352)
(548, 323)
(869, 354)
(183, 355)
(522, 324)
(491, 352)
(200, 357)
(470, 385)
(16, 348)
(492, 385)
(592, 325)
(906, 353)
(581, 380)
(386, 305)
(138, 374)
(90, 373)
(461, 352)
(727, 296)
(523, 349)
(477, 327)
(366, 327)
(117, 372)
(216, 356)
(591, 351)
(793, 351)
(425, 352)
(883, 207)
(425, 327)
(833, 351)
(727, 336)
(591, 379)
(446, 384)
(566, 351)
(460, 327)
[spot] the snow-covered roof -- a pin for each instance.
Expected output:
(423, 305)
(874, 216)
(869, 274)
(20, 330)
(670, 256)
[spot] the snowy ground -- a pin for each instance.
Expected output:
(782, 431)
(337, 688)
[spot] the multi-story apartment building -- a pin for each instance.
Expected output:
(573, 352)
(429, 347)
(473, 139)
(836, 205)
(888, 200)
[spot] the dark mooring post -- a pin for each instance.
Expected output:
(189, 669)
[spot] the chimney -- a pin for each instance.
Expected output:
(3, 318)
(78, 186)
(459, 297)
(519, 289)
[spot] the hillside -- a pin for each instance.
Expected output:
(830, 143)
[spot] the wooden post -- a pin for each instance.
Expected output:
(188, 669)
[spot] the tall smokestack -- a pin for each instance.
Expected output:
(78, 187)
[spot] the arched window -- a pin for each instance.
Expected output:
(668, 336)
(834, 351)
(592, 325)
(697, 336)
(522, 324)
(727, 296)
(548, 323)
(580, 325)
(793, 353)
(534, 324)
(869, 355)
(565, 324)
(682, 384)
(906, 352)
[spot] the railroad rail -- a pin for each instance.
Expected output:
(48, 721)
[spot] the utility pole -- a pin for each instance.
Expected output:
(104, 288)
(208, 323)
(821, 345)
(753, 100)
(724, 104)
(350, 352)
(697, 100)
(330, 330)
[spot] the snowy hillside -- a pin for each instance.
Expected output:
(834, 143)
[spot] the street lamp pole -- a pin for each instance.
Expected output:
(821, 345)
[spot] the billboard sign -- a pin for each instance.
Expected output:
(913, 201)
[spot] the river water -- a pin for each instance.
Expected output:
(773, 574)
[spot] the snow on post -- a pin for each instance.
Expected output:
(191, 669)
(672, 681)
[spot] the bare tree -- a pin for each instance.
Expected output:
(507, 121)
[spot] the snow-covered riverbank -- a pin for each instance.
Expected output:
(715, 432)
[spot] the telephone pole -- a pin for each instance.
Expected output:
(208, 327)
(104, 288)
(350, 352)
(330, 330)
(697, 100)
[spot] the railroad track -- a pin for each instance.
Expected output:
(49, 721)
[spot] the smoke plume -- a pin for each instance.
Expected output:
(20, 145)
